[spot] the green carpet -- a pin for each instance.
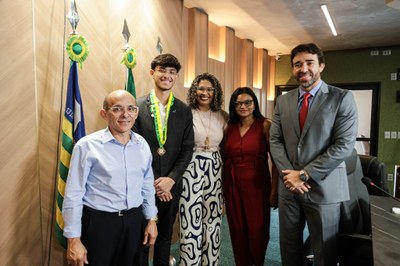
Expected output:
(272, 258)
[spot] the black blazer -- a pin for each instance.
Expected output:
(180, 138)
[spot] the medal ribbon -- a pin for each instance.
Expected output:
(161, 130)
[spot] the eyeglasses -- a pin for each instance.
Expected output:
(118, 109)
(164, 71)
(247, 103)
(205, 89)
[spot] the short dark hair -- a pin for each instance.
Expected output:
(233, 117)
(311, 48)
(166, 60)
(192, 96)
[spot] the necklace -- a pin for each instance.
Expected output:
(207, 129)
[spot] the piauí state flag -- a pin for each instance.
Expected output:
(73, 129)
(130, 83)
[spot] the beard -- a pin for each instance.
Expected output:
(309, 83)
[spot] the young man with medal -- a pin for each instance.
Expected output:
(167, 125)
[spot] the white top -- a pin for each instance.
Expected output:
(208, 125)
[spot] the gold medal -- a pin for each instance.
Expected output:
(161, 151)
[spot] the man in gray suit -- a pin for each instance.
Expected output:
(167, 125)
(313, 131)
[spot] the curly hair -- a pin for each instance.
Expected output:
(233, 116)
(217, 101)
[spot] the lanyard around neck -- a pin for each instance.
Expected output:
(161, 128)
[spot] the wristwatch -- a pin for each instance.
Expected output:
(303, 176)
(155, 219)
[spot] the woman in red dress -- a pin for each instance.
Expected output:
(249, 189)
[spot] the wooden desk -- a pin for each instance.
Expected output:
(385, 231)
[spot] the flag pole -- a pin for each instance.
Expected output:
(73, 125)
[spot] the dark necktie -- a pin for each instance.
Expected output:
(304, 110)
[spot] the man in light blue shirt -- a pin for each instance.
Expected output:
(110, 190)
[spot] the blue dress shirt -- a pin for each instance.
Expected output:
(313, 92)
(108, 176)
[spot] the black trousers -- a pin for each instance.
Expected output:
(166, 218)
(111, 239)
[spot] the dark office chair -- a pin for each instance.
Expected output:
(355, 241)
(377, 172)
(355, 213)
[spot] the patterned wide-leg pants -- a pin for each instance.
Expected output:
(200, 210)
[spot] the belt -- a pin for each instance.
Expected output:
(118, 213)
(206, 149)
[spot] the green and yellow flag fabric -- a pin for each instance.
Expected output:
(129, 60)
(73, 129)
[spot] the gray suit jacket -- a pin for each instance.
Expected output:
(180, 138)
(328, 138)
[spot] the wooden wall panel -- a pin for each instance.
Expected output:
(237, 63)
(95, 78)
(20, 239)
(197, 52)
(53, 69)
(147, 21)
(50, 76)
(222, 58)
(217, 68)
(185, 48)
(257, 68)
(230, 67)
(213, 38)
(261, 76)
(217, 65)
(33, 76)
(264, 88)
(246, 66)
(167, 17)
(270, 86)
(216, 42)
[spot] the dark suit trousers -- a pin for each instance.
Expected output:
(166, 217)
(111, 239)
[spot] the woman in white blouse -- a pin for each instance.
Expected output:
(201, 203)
